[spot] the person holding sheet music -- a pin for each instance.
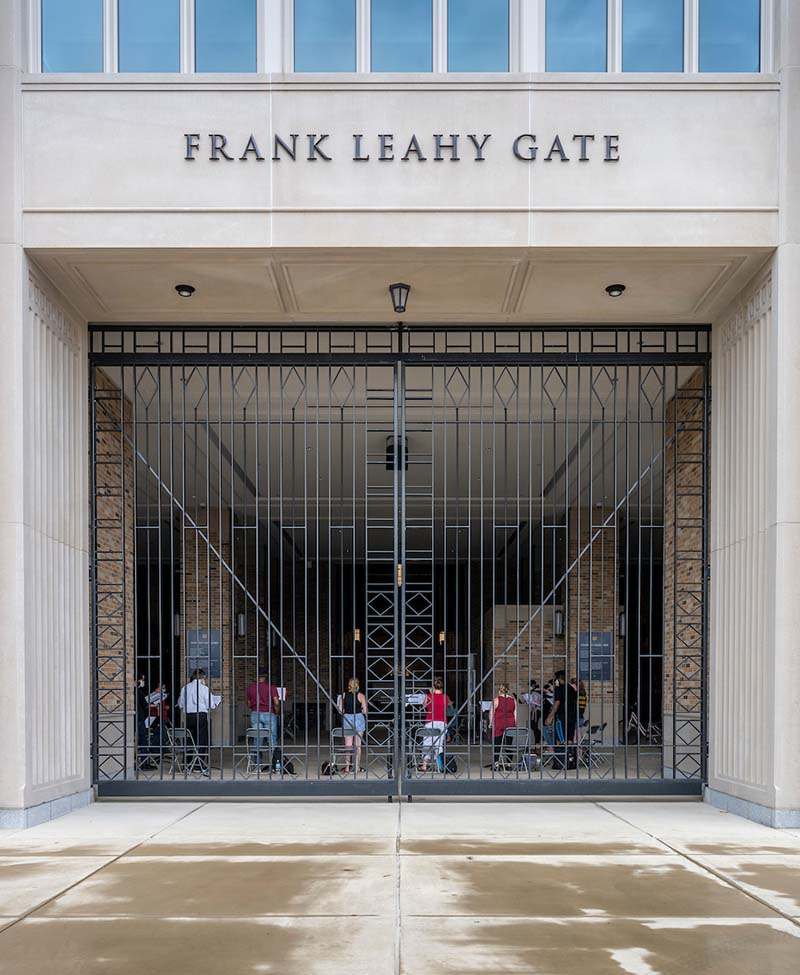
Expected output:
(436, 705)
(502, 715)
(196, 701)
(264, 701)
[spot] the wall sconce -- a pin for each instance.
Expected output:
(441, 637)
(176, 625)
(399, 293)
(622, 623)
(357, 634)
(558, 623)
(241, 625)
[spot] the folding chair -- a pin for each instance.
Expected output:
(258, 742)
(515, 749)
(340, 753)
(591, 739)
(378, 745)
(184, 756)
(425, 745)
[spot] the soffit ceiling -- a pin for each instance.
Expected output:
(471, 285)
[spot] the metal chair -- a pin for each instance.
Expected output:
(257, 741)
(379, 746)
(515, 749)
(340, 753)
(426, 743)
(590, 740)
(184, 756)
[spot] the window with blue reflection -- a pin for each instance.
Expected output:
(225, 35)
(652, 35)
(72, 35)
(402, 35)
(477, 35)
(730, 35)
(576, 35)
(324, 35)
(149, 35)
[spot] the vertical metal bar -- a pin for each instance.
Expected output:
(95, 584)
(134, 581)
(160, 529)
(400, 487)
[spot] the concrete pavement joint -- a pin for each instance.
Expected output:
(110, 862)
(398, 902)
(729, 881)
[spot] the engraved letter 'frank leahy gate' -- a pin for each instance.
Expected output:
(489, 508)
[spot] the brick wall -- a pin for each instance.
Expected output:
(684, 462)
(114, 519)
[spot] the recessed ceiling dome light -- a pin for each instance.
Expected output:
(184, 290)
(615, 290)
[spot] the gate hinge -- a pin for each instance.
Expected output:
(399, 574)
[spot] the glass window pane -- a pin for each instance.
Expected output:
(576, 35)
(324, 35)
(72, 35)
(652, 35)
(477, 35)
(402, 35)
(225, 35)
(730, 35)
(149, 35)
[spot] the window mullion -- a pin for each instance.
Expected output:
(187, 37)
(110, 36)
(440, 36)
(363, 35)
(691, 39)
(540, 28)
(614, 35)
(261, 36)
(287, 33)
(768, 54)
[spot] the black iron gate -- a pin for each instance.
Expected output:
(426, 525)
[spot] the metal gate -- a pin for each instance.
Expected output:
(292, 527)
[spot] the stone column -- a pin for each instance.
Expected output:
(754, 765)
(44, 627)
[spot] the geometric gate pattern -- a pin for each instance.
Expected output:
(519, 514)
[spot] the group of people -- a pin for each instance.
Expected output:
(195, 701)
(558, 715)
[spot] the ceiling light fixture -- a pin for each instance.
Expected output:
(615, 290)
(399, 293)
(184, 290)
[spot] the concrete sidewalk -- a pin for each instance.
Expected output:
(422, 889)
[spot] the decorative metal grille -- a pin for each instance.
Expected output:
(486, 506)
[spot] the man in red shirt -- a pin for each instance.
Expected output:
(264, 702)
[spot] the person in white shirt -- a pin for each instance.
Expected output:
(196, 701)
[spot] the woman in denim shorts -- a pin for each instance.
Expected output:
(353, 708)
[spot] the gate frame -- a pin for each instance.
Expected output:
(396, 356)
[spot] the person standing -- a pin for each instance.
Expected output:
(534, 701)
(353, 709)
(144, 755)
(563, 717)
(548, 694)
(264, 701)
(503, 715)
(196, 701)
(436, 705)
